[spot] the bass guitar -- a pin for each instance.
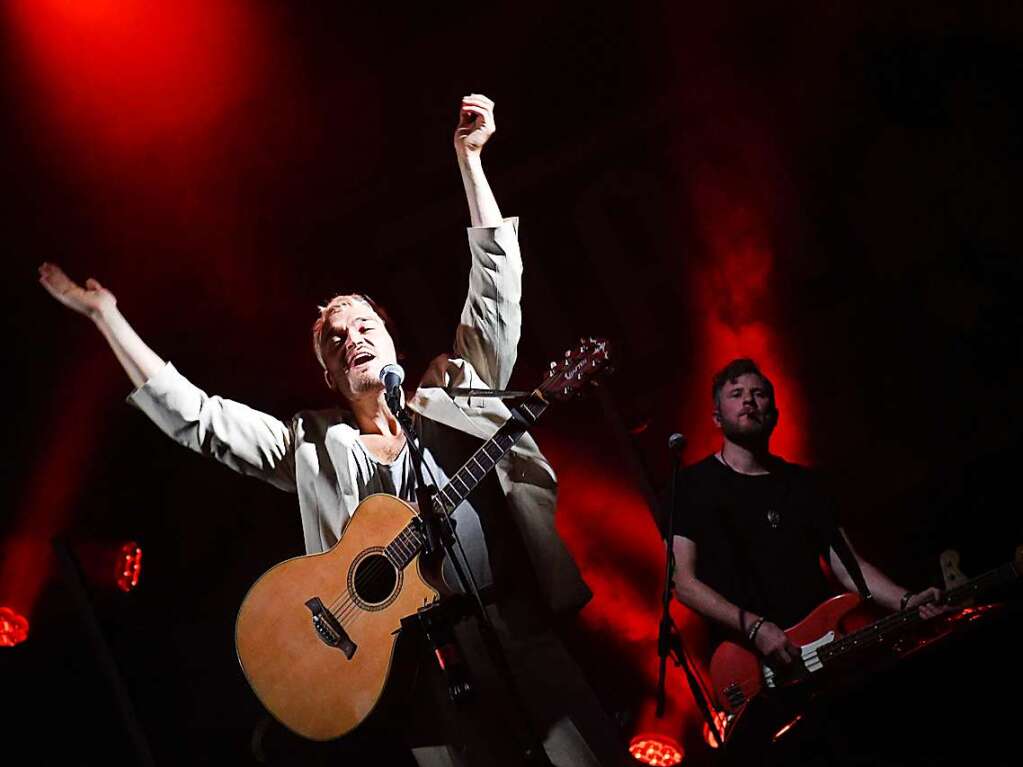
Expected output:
(829, 641)
(316, 634)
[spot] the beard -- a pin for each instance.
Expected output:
(750, 432)
(362, 382)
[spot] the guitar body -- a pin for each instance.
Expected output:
(738, 674)
(316, 681)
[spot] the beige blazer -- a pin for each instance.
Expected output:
(312, 454)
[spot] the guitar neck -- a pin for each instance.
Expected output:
(410, 540)
(487, 457)
(882, 630)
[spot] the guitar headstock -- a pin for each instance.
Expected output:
(582, 365)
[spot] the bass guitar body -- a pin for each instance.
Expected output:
(316, 635)
(738, 675)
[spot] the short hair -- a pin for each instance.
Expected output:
(738, 367)
(343, 299)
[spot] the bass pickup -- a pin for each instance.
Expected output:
(328, 629)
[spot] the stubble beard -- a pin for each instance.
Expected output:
(754, 435)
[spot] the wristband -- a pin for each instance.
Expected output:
(905, 600)
(755, 628)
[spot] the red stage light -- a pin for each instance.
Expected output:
(13, 627)
(129, 566)
(654, 748)
(721, 720)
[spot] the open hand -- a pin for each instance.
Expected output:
(92, 300)
(475, 123)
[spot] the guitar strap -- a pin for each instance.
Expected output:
(848, 559)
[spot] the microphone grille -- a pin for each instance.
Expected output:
(392, 368)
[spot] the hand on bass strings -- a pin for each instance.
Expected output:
(774, 645)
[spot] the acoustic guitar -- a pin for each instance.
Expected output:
(316, 634)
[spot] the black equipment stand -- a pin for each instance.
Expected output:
(437, 622)
(669, 636)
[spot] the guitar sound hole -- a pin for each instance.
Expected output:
(375, 578)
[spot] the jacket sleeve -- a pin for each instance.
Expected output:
(249, 441)
(491, 321)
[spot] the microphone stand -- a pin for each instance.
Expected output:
(441, 538)
(669, 636)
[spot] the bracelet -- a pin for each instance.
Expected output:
(905, 600)
(755, 628)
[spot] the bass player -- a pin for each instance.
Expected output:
(751, 530)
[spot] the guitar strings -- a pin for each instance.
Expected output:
(343, 608)
(345, 603)
(868, 636)
(873, 634)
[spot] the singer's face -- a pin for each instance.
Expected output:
(355, 345)
(746, 409)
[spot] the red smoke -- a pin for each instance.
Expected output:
(124, 99)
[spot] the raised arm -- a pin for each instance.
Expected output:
(475, 127)
(491, 320)
(247, 440)
(98, 304)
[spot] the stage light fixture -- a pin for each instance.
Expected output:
(129, 566)
(13, 627)
(656, 749)
(108, 565)
(721, 720)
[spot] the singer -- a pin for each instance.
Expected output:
(332, 459)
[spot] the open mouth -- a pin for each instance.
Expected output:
(361, 358)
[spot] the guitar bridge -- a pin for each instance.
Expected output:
(329, 630)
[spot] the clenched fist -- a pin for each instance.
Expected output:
(475, 124)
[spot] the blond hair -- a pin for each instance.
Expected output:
(336, 303)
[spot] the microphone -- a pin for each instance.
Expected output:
(676, 442)
(392, 375)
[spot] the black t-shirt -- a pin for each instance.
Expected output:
(758, 539)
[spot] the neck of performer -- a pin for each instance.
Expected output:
(746, 459)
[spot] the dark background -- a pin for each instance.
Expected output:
(827, 187)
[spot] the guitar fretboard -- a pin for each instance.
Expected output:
(409, 541)
(881, 631)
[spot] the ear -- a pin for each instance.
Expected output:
(716, 415)
(330, 380)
